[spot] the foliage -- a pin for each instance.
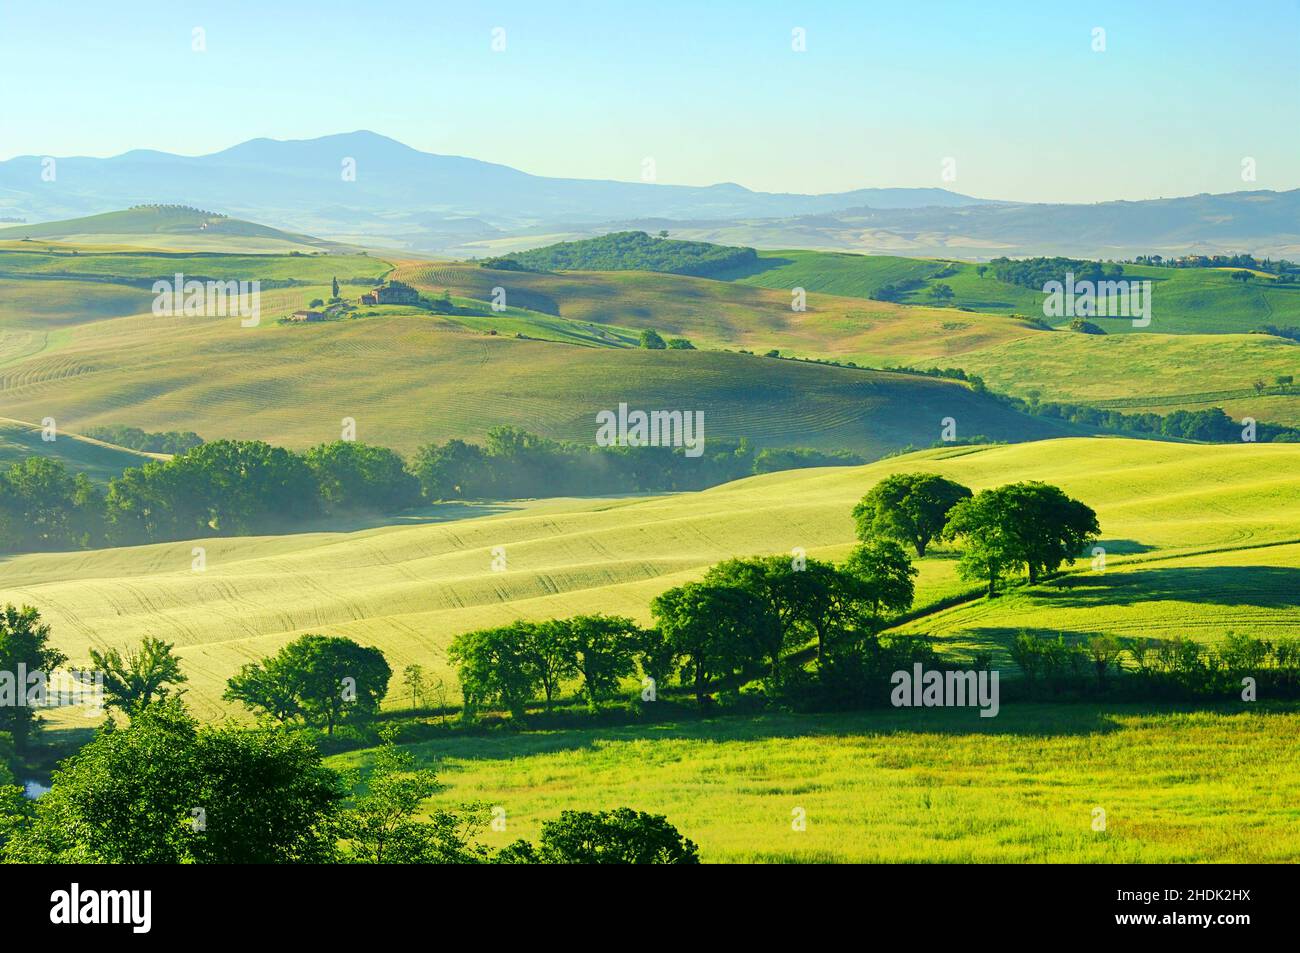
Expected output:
(140, 679)
(629, 251)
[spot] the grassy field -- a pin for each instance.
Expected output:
(938, 785)
(1184, 300)
(1200, 539)
(1159, 372)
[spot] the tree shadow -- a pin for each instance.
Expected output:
(1019, 718)
(1267, 587)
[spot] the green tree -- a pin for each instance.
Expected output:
(711, 628)
(886, 575)
(909, 507)
(548, 652)
(380, 825)
(413, 679)
(24, 641)
(621, 836)
(334, 288)
(355, 476)
(984, 524)
(494, 666)
(142, 678)
(651, 340)
(325, 679)
(165, 790)
(601, 649)
(1051, 528)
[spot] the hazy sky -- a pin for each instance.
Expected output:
(713, 91)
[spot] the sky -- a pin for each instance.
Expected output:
(1015, 94)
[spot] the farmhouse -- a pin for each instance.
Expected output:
(307, 316)
(392, 292)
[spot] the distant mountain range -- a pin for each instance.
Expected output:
(366, 188)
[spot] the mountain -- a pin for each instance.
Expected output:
(396, 192)
(453, 205)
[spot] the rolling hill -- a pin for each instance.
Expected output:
(80, 454)
(168, 228)
(1200, 539)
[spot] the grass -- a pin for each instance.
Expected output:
(1200, 539)
(933, 785)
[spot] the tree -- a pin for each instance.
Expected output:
(650, 339)
(909, 507)
(600, 648)
(413, 678)
(982, 523)
(711, 628)
(1242, 276)
(334, 288)
(380, 826)
(886, 575)
(165, 790)
(316, 302)
(1051, 528)
(24, 641)
(548, 652)
(941, 292)
(1032, 524)
(271, 686)
(142, 679)
(358, 477)
(780, 591)
(622, 836)
(495, 666)
(325, 679)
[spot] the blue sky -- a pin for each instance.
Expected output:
(712, 91)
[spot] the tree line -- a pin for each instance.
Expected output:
(238, 487)
(624, 251)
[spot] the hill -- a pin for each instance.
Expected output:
(167, 228)
(1199, 539)
(628, 251)
(97, 459)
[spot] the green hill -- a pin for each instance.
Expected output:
(98, 460)
(627, 251)
(167, 227)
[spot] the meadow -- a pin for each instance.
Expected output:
(898, 786)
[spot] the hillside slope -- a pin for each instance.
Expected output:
(1200, 539)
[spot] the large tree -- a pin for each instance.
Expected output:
(1051, 527)
(495, 666)
(601, 649)
(909, 507)
(1031, 525)
(712, 629)
(325, 679)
